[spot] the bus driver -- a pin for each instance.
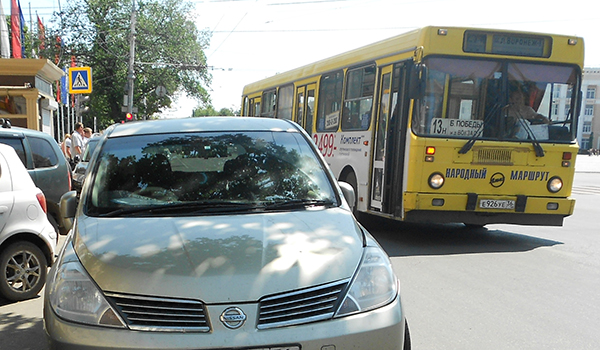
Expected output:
(519, 112)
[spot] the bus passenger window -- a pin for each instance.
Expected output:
(284, 102)
(269, 99)
(330, 97)
(358, 102)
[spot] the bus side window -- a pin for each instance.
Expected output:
(256, 111)
(284, 102)
(330, 97)
(360, 87)
(269, 99)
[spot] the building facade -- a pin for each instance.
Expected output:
(588, 130)
(27, 96)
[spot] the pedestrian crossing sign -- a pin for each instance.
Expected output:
(80, 80)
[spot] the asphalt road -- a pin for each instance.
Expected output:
(498, 287)
(503, 286)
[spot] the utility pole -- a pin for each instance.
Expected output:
(130, 71)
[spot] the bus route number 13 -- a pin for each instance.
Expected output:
(325, 143)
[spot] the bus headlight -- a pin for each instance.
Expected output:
(436, 180)
(555, 184)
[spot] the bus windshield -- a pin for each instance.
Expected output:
(496, 100)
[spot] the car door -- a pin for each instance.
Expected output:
(7, 198)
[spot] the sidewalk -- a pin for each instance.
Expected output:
(587, 164)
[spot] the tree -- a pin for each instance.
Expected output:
(209, 110)
(169, 52)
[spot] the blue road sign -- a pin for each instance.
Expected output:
(80, 80)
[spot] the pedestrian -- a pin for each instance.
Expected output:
(77, 143)
(87, 135)
(65, 146)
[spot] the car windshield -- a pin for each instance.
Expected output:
(192, 173)
(496, 100)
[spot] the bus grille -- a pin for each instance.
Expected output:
(493, 156)
(307, 305)
(161, 314)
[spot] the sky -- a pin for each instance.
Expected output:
(255, 39)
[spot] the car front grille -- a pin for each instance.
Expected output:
(161, 314)
(303, 306)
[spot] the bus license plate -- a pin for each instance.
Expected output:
(497, 204)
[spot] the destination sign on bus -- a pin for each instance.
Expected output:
(455, 127)
(507, 44)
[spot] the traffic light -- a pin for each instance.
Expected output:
(129, 117)
(81, 106)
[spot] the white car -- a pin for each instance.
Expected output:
(218, 233)
(27, 239)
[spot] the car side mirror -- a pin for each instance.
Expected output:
(348, 192)
(68, 208)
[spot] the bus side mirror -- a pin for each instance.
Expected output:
(418, 77)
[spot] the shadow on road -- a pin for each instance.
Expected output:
(408, 239)
(16, 331)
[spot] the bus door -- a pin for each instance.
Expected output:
(379, 157)
(390, 141)
(254, 109)
(305, 106)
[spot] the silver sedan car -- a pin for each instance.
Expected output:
(218, 233)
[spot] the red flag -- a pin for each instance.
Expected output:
(58, 49)
(73, 64)
(15, 30)
(41, 33)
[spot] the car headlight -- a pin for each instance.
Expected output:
(555, 184)
(373, 286)
(75, 297)
(436, 180)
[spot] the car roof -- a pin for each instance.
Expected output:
(170, 126)
(16, 131)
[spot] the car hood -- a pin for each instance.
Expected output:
(220, 258)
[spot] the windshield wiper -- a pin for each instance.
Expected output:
(467, 146)
(298, 204)
(186, 208)
(539, 151)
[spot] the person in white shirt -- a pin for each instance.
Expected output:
(87, 134)
(77, 141)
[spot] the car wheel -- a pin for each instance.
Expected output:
(23, 269)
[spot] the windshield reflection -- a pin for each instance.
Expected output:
(497, 100)
(189, 172)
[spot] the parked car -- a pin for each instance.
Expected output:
(81, 166)
(214, 232)
(27, 239)
(45, 163)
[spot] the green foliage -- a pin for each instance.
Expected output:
(169, 52)
(209, 110)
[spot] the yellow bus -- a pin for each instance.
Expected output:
(443, 124)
